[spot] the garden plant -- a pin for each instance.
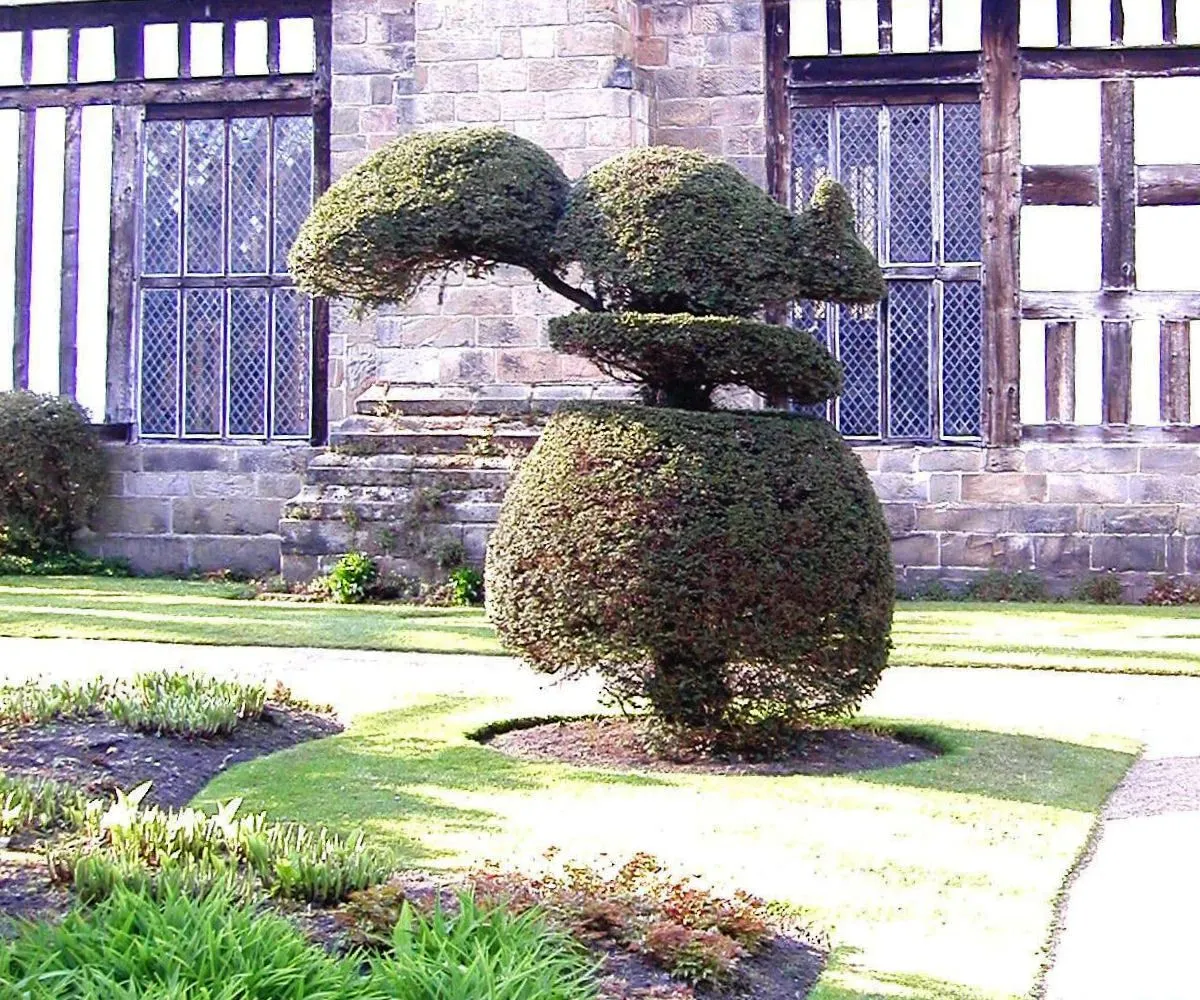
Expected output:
(731, 570)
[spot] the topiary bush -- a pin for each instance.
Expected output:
(474, 196)
(52, 474)
(729, 569)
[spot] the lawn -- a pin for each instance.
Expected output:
(934, 881)
(1047, 636)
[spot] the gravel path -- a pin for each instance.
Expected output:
(1128, 929)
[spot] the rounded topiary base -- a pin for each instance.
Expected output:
(730, 568)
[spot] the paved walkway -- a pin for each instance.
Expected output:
(1130, 924)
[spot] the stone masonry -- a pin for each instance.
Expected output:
(587, 79)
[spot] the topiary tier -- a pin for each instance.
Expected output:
(731, 571)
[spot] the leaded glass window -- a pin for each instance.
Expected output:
(913, 364)
(225, 340)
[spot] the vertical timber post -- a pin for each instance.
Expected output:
(1118, 211)
(1001, 136)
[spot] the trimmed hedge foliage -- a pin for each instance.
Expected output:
(667, 230)
(729, 569)
(475, 196)
(52, 474)
(681, 360)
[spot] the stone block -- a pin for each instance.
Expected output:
(538, 42)
(1192, 553)
(1171, 460)
(238, 516)
(950, 459)
(1132, 520)
(221, 484)
(990, 551)
(1164, 489)
(516, 331)
(123, 457)
(448, 78)
(1080, 458)
(565, 74)
(1040, 519)
(522, 107)
(426, 331)
(1121, 553)
(132, 516)
(588, 39)
(467, 367)
(1087, 487)
(274, 458)
(147, 555)
(945, 487)
(278, 485)
(253, 556)
(475, 540)
(897, 486)
(477, 299)
(157, 484)
(901, 518)
(915, 550)
(689, 112)
(1004, 460)
(503, 74)
(1062, 555)
(420, 365)
(528, 365)
(1002, 487)
(976, 520)
(185, 457)
(897, 459)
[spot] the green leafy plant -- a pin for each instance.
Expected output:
(34, 702)
(1167, 591)
(997, 585)
(466, 586)
(350, 579)
(1100, 588)
(44, 807)
(61, 564)
(180, 704)
(52, 474)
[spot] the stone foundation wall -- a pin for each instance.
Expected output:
(181, 508)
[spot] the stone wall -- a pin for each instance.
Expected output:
(180, 508)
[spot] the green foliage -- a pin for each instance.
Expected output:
(732, 570)
(133, 945)
(472, 952)
(472, 196)
(155, 849)
(466, 586)
(667, 230)
(998, 585)
(170, 703)
(62, 564)
(681, 359)
(350, 580)
(164, 702)
(1100, 588)
(52, 474)
(44, 807)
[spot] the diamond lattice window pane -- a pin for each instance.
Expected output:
(810, 153)
(159, 330)
(161, 198)
(203, 346)
(292, 336)
(293, 183)
(962, 359)
(204, 182)
(909, 410)
(910, 228)
(962, 169)
(249, 174)
(858, 168)
(248, 309)
(858, 347)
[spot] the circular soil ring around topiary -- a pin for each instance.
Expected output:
(621, 744)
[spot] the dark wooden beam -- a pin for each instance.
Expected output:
(185, 49)
(1064, 23)
(833, 25)
(1060, 373)
(1170, 22)
(885, 26)
(936, 31)
(72, 55)
(777, 40)
(1115, 434)
(1175, 371)
(68, 354)
(1117, 21)
(228, 47)
(143, 92)
(1053, 185)
(129, 41)
(272, 45)
(1113, 305)
(23, 288)
(891, 94)
(322, 177)
(1001, 149)
(1117, 364)
(1118, 186)
(119, 374)
(1108, 64)
(18, 17)
(1168, 184)
(897, 69)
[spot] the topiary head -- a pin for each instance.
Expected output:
(478, 197)
(832, 264)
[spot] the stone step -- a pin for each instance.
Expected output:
(476, 437)
(411, 476)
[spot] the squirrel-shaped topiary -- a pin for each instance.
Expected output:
(731, 571)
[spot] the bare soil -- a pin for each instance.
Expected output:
(622, 744)
(100, 757)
